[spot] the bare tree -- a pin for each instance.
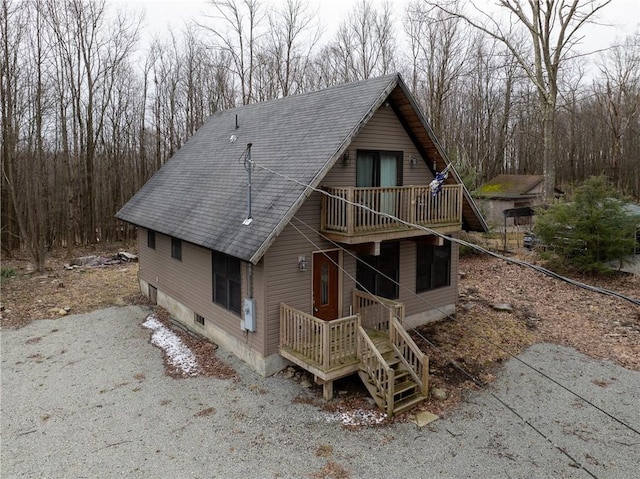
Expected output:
(291, 40)
(618, 93)
(552, 28)
(441, 51)
(12, 31)
(242, 19)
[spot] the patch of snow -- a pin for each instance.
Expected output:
(178, 355)
(358, 417)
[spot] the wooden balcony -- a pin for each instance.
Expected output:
(372, 342)
(358, 215)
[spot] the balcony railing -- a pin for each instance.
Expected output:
(358, 211)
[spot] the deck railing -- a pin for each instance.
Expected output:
(413, 204)
(376, 312)
(381, 376)
(410, 354)
(325, 344)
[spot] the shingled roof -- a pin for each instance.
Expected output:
(509, 186)
(199, 195)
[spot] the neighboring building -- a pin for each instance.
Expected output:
(287, 283)
(510, 192)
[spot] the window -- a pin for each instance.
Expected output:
(379, 274)
(198, 319)
(151, 239)
(176, 248)
(378, 168)
(433, 266)
(227, 289)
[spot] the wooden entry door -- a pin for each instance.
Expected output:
(325, 285)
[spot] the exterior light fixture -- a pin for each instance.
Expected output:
(302, 262)
(413, 161)
(345, 158)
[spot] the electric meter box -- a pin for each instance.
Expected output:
(249, 309)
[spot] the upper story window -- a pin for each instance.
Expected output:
(176, 248)
(227, 286)
(375, 168)
(433, 266)
(151, 239)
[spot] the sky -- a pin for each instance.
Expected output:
(623, 15)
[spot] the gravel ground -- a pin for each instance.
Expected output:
(87, 396)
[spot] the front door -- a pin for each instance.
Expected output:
(325, 285)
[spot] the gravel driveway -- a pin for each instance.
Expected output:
(86, 396)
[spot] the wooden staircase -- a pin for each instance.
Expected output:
(388, 376)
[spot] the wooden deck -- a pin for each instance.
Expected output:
(345, 220)
(372, 342)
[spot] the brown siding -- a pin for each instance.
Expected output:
(190, 282)
(437, 298)
(383, 132)
(287, 284)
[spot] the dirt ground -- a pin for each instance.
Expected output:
(464, 350)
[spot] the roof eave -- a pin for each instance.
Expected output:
(313, 184)
(483, 226)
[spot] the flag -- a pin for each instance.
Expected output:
(436, 184)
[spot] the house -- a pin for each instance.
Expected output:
(516, 193)
(292, 268)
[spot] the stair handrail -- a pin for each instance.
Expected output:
(416, 362)
(388, 374)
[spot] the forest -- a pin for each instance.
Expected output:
(89, 111)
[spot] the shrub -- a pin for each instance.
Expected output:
(591, 230)
(6, 273)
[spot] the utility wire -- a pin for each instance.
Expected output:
(471, 245)
(461, 369)
(456, 240)
(471, 330)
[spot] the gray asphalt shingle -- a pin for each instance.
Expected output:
(200, 194)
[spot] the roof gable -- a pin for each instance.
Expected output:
(200, 194)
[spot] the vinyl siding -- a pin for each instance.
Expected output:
(433, 299)
(287, 284)
(190, 282)
(383, 132)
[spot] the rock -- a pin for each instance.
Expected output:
(343, 393)
(462, 274)
(425, 417)
(53, 310)
(62, 312)
(439, 394)
(289, 373)
(467, 306)
(502, 307)
(305, 383)
(67, 308)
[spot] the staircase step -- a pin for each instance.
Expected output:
(407, 403)
(392, 361)
(404, 387)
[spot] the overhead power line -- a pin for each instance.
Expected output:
(540, 269)
(466, 373)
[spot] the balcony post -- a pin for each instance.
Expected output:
(350, 211)
(459, 205)
(412, 205)
(326, 345)
(323, 213)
